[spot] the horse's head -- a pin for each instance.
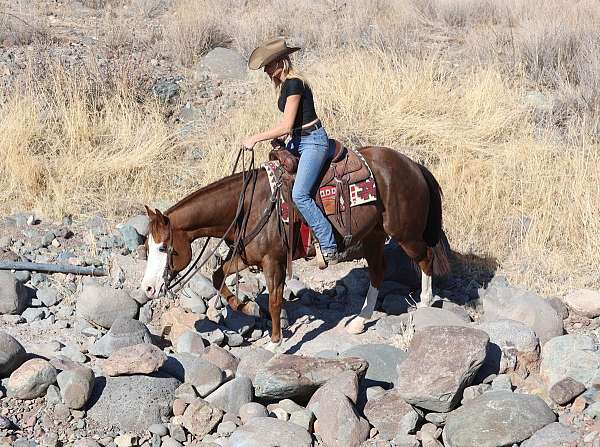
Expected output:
(169, 252)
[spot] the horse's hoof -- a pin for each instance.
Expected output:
(356, 326)
(421, 304)
(273, 347)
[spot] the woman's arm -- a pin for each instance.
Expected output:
(284, 127)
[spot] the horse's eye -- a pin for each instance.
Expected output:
(162, 248)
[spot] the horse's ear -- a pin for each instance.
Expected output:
(164, 219)
(151, 214)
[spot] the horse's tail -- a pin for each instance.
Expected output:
(433, 229)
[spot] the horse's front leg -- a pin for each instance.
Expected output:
(274, 272)
(233, 265)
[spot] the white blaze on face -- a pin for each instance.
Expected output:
(155, 267)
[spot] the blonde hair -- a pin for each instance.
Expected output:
(290, 73)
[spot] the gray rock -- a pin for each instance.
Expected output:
(552, 435)
(270, 432)
(395, 304)
(74, 354)
(13, 298)
(502, 382)
(584, 302)
(345, 383)
(200, 417)
(76, 386)
(575, 355)
(158, 429)
(423, 317)
(559, 306)
(103, 305)
(252, 410)
(32, 314)
(48, 296)
(202, 287)
(210, 331)
(203, 375)
(565, 390)
(383, 362)
(390, 415)
(31, 379)
(501, 302)
(510, 342)
(141, 223)
(441, 362)
(224, 63)
(593, 411)
(237, 321)
(166, 91)
(221, 358)
(193, 303)
(186, 393)
(190, 342)
(48, 238)
(86, 443)
(144, 358)
(132, 403)
(170, 442)
(231, 396)
(289, 376)
(252, 360)
(233, 339)
(124, 332)
(496, 418)
(12, 354)
(130, 236)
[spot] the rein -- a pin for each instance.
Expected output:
(249, 175)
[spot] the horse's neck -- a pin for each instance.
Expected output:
(208, 211)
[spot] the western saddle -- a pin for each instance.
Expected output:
(344, 169)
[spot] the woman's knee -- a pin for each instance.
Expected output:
(300, 196)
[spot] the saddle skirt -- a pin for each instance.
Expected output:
(347, 166)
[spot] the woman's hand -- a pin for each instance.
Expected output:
(249, 143)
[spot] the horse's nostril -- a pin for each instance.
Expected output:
(149, 290)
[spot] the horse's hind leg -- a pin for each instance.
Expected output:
(422, 255)
(233, 265)
(373, 246)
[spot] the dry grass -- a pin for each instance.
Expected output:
(500, 99)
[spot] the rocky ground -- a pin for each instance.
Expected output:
(89, 361)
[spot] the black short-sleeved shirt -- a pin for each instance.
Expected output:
(306, 108)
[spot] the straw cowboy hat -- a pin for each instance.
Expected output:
(269, 51)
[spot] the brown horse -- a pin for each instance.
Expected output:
(408, 209)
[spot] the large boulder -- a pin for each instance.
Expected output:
(574, 355)
(203, 375)
(289, 376)
(144, 358)
(200, 417)
(512, 344)
(223, 63)
(584, 302)
(504, 302)
(496, 418)
(252, 361)
(132, 403)
(124, 332)
(13, 297)
(390, 415)
(383, 362)
(441, 362)
(103, 305)
(270, 432)
(12, 354)
(552, 435)
(76, 385)
(419, 319)
(230, 396)
(31, 379)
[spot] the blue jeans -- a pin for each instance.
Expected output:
(314, 151)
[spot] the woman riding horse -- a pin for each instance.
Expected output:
(308, 139)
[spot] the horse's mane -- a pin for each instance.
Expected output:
(206, 189)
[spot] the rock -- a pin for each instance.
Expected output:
(13, 298)
(511, 343)
(575, 355)
(124, 332)
(31, 379)
(552, 435)
(131, 237)
(140, 223)
(103, 305)
(559, 306)
(502, 382)
(126, 440)
(565, 390)
(390, 415)
(158, 429)
(345, 383)
(270, 432)
(339, 424)
(496, 418)
(288, 376)
(203, 375)
(73, 353)
(501, 302)
(252, 361)
(252, 410)
(584, 302)
(383, 361)
(193, 303)
(176, 321)
(190, 342)
(230, 396)
(441, 362)
(423, 317)
(202, 287)
(132, 403)
(210, 331)
(12, 354)
(237, 321)
(224, 63)
(48, 296)
(233, 339)
(86, 443)
(144, 358)
(76, 386)
(201, 417)
(395, 304)
(220, 357)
